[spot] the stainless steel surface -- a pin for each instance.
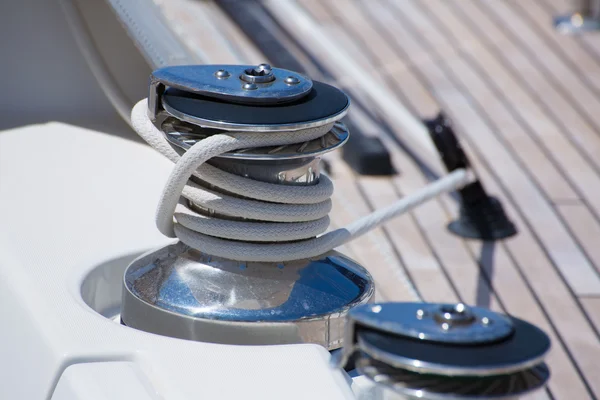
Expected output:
(180, 292)
(222, 74)
(445, 323)
(249, 86)
(202, 80)
(297, 171)
(446, 369)
(292, 80)
(185, 136)
(389, 332)
(586, 18)
(403, 384)
(207, 123)
(260, 74)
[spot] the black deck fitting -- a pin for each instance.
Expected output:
(367, 155)
(481, 215)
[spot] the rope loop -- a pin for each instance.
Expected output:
(286, 219)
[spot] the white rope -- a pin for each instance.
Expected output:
(289, 218)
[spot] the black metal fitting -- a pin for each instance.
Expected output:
(481, 215)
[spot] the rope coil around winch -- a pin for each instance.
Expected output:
(288, 218)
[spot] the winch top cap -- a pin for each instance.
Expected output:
(243, 97)
(247, 84)
(323, 105)
(447, 339)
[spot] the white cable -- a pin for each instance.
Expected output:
(302, 209)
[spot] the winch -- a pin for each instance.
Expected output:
(445, 351)
(254, 199)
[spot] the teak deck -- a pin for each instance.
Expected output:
(525, 101)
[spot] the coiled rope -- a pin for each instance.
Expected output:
(287, 218)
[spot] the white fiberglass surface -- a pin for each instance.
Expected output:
(78, 199)
(77, 191)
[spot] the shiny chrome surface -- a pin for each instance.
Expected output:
(576, 24)
(227, 82)
(263, 73)
(389, 332)
(222, 74)
(403, 384)
(585, 19)
(180, 292)
(207, 123)
(445, 323)
(297, 171)
(184, 136)
(446, 369)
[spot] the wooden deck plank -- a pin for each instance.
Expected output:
(192, 21)
(567, 374)
(245, 50)
(317, 10)
(557, 240)
(520, 120)
(456, 259)
(556, 108)
(584, 227)
(567, 164)
(592, 306)
(564, 7)
(570, 84)
(520, 299)
(451, 102)
(474, 67)
(575, 54)
(504, 127)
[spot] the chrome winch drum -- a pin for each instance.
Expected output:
(445, 351)
(181, 292)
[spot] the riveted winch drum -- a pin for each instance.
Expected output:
(182, 292)
(445, 351)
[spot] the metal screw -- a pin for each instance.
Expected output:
(460, 308)
(292, 80)
(222, 74)
(445, 326)
(250, 86)
(420, 314)
(485, 320)
(263, 69)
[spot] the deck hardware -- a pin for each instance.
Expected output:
(368, 155)
(464, 358)
(481, 215)
(263, 73)
(180, 292)
(585, 19)
(250, 86)
(222, 74)
(201, 81)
